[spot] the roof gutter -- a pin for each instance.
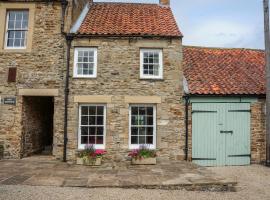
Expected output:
(228, 95)
(126, 36)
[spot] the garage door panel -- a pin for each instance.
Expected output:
(238, 142)
(221, 134)
(204, 118)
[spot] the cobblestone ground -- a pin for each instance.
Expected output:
(253, 184)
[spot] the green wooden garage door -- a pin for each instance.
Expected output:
(221, 134)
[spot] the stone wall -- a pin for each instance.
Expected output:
(258, 132)
(118, 76)
(42, 67)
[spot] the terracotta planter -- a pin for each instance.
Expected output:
(144, 161)
(89, 162)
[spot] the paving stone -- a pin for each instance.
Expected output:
(174, 175)
(177, 181)
(103, 181)
(75, 182)
(44, 181)
(15, 180)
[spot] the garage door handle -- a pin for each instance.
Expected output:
(227, 132)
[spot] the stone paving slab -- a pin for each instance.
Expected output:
(44, 171)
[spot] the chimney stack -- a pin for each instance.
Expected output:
(164, 2)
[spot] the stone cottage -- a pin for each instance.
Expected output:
(117, 81)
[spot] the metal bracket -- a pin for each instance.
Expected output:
(204, 159)
(202, 111)
(241, 155)
(239, 111)
(231, 132)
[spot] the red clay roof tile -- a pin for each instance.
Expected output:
(129, 19)
(224, 71)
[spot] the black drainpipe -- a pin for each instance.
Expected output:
(69, 39)
(64, 4)
(186, 125)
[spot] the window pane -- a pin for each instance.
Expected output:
(11, 15)
(85, 53)
(149, 140)
(142, 140)
(100, 140)
(84, 130)
(19, 15)
(80, 53)
(17, 43)
(91, 53)
(18, 25)
(142, 110)
(150, 120)
(11, 24)
(84, 120)
(18, 34)
(142, 120)
(11, 34)
(149, 110)
(134, 131)
(92, 110)
(92, 130)
(84, 139)
(92, 120)
(99, 130)
(24, 24)
(92, 140)
(84, 110)
(134, 120)
(149, 131)
(134, 110)
(100, 120)
(25, 15)
(142, 131)
(10, 42)
(134, 140)
(100, 110)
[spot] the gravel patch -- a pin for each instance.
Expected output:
(253, 184)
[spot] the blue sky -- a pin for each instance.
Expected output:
(218, 23)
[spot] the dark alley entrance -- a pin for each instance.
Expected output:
(37, 134)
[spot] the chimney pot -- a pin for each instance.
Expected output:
(164, 2)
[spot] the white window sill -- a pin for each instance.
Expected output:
(90, 77)
(135, 146)
(151, 78)
(96, 146)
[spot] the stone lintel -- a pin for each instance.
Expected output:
(38, 92)
(93, 99)
(142, 99)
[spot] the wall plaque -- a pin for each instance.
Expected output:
(9, 100)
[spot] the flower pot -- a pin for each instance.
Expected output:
(79, 161)
(144, 161)
(92, 162)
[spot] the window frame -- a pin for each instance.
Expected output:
(76, 50)
(6, 30)
(160, 71)
(137, 146)
(97, 146)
